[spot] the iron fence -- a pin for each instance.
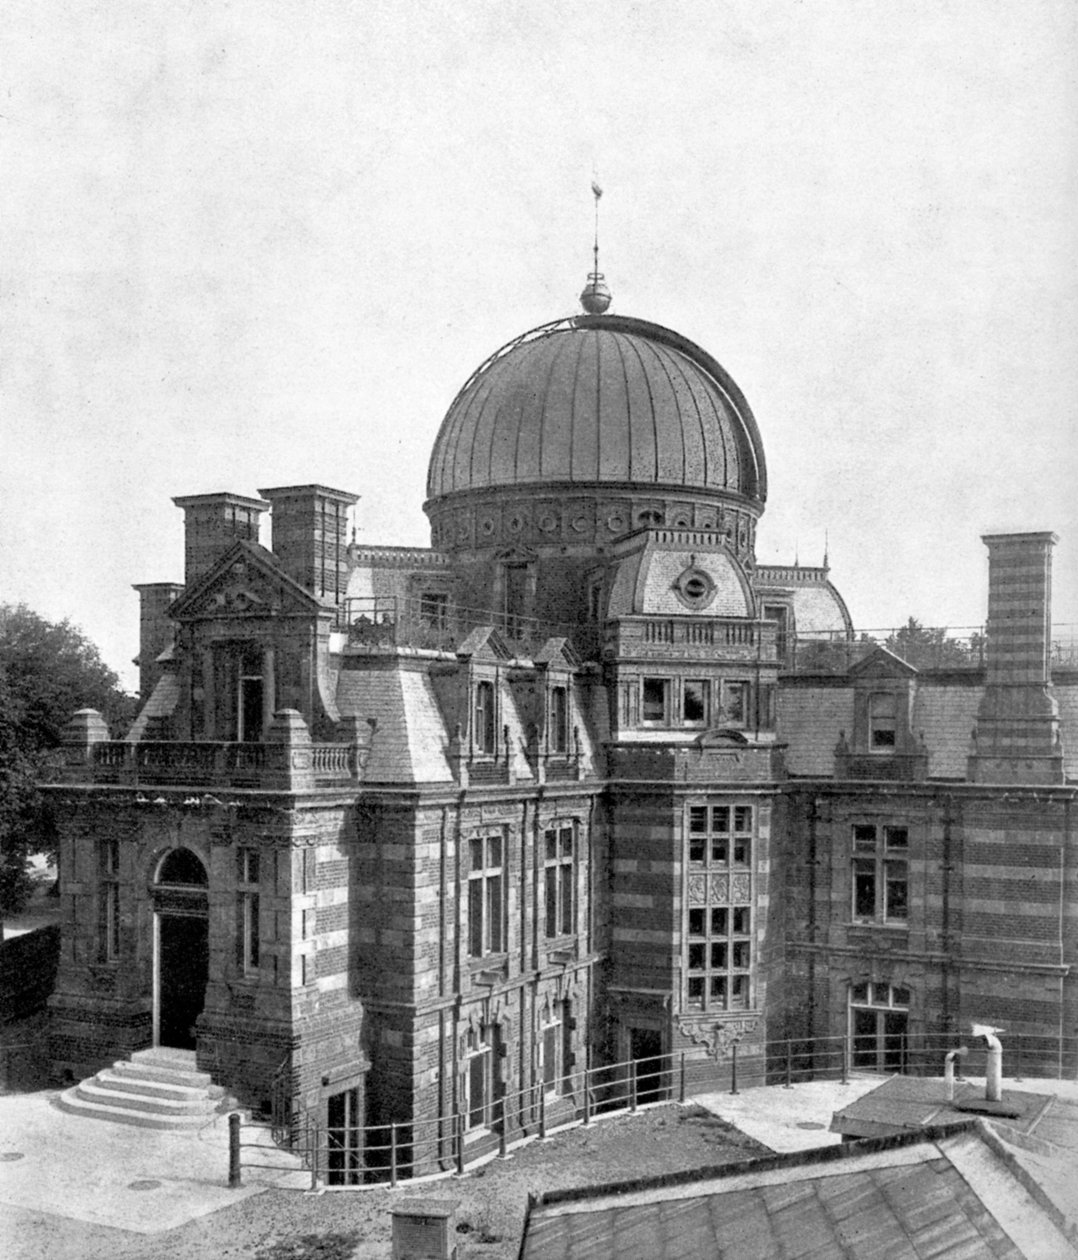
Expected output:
(352, 1156)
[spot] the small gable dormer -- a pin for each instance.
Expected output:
(882, 744)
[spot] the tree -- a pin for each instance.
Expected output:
(47, 671)
(929, 647)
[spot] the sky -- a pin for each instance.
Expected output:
(252, 245)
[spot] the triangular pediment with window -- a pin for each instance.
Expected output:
(484, 644)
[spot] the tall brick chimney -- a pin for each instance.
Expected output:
(155, 631)
(310, 537)
(1016, 739)
(212, 523)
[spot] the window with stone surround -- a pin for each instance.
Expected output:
(108, 906)
(248, 939)
(478, 1081)
(882, 722)
(553, 1048)
(879, 1015)
(559, 719)
(485, 724)
(434, 609)
(880, 874)
(718, 941)
(735, 702)
(559, 876)
(486, 895)
(694, 702)
(655, 709)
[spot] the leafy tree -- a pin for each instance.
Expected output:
(928, 647)
(47, 671)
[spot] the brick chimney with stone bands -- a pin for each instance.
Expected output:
(212, 523)
(1016, 739)
(310, 537)
(155, 631)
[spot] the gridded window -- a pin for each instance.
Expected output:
(881, 722)
(484, 725)
(247, 905)
(559, 719)
(720, 835)
(478, 1079)
(880, 874)
(558, 873)
(486, 885)
(108, 936)
(694, 702)
(719, 960)
(879, 1015)
(655, 697)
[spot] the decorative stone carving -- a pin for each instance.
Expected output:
(718, 1035)
(740, 888)
(720, 889)
(698, 890)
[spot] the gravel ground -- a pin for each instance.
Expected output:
(270, 1226)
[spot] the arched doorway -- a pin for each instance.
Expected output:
(182, 955)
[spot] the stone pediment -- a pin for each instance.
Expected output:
(245, 582)
(880, 663)
(484, 643)
(558, 654)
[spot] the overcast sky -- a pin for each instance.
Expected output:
(251, 244)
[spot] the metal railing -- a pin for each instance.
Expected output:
(405, 1150)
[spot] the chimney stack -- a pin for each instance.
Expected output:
(1016, 739)
(212, 523)
(310, 537)
(155, 631)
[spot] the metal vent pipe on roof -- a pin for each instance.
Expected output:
(993, 1085)
(948, 1069)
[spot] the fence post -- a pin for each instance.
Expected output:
(503, 1151)
(681, 1086)
(1018, 1055)
(393, 1155)
(313, 1132)
(845, 1060)
(542, 1112)
(733, 1069)
(587, 1098)
(460, 1145)
(234, 1177)
(632, 1085)
(789, 1054)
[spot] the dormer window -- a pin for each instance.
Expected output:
(484, 726)
(882, 736)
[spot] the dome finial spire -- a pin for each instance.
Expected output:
(596, 296)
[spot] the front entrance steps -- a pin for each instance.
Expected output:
(156, 1089)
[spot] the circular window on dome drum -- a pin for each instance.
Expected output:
(694, 588)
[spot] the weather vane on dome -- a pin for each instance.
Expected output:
(596, 296)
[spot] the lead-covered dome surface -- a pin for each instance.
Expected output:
(599, 399)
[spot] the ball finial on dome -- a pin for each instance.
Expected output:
(595, 299)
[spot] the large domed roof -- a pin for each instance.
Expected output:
(599, 399)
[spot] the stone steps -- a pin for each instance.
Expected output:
(158, 1089)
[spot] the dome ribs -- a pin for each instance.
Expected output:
(651, 473)
(556, 350)
(599, 400)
